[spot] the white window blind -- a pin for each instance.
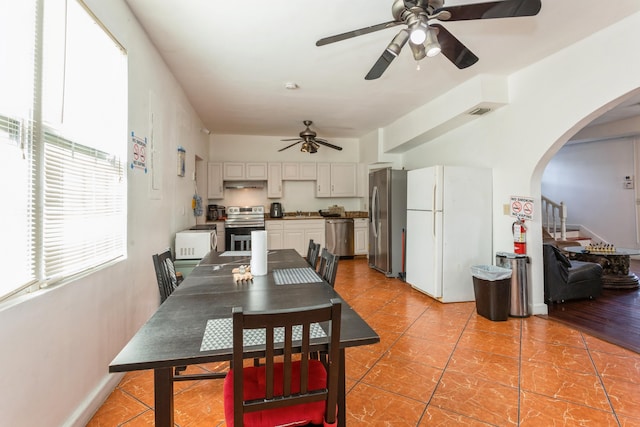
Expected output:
(18, 23)
(84, 207)
(63, 138)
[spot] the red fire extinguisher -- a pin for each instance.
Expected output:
(519, 237)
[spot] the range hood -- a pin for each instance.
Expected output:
(244, 184)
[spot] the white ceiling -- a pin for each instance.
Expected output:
(233, 58)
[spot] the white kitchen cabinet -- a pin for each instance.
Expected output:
(256, 171)
(307, 171)
(298, 232)
(274, 181)
(275, 236)
(252, 171)
(336, 180)
(290, 171)
(220, 235)
(361, 236)
(215, 187)
(299, 171)
(323, 180)
(233, 171)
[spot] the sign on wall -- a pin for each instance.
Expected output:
(139, 152)
(522, 207)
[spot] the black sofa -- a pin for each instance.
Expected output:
(566, 279)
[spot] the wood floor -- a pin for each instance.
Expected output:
(612, 317)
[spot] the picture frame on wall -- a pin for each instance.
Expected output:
(181, 161)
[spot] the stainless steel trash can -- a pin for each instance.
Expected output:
(519, 265)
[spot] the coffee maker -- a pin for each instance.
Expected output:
(276, 210)
(212, 212)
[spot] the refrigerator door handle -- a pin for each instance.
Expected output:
(374, 210)
(434, 210)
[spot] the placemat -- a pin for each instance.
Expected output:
(236, 253)
(290, 276)
(219, 334)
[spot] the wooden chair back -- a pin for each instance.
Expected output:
(243, 242)
(313, 253)
(281, 353)
(165, 274)
(328, 266)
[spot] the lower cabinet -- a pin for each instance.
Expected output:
(220, 236)
(294, 234)
(361, 236)
(274, 234)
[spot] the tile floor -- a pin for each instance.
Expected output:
(437, 364)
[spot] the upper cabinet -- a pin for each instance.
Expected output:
(252, 171)
(215, 187)
(274, 181)
(299, 171)
(336, 180)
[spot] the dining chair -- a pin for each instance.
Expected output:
(312, 254)
(166, 275)
(244, 242)
(284, 391)
(328, 266)
(168, 280)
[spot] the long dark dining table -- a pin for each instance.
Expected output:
(173, 336)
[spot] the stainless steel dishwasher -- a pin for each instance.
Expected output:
(339, 236)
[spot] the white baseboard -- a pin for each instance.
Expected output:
(83, 413)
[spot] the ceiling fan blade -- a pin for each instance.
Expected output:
(289, 146)
(453, 48)
(494, 9)
(389, 54)
(326, 144)
(355, 33)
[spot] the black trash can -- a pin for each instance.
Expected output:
(492, 288)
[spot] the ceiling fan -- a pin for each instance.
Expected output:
(427, 38)
(310, 143)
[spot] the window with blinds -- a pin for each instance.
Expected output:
(63, 139)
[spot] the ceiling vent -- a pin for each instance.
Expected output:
(479, 111)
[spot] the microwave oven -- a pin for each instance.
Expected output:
(195, 244)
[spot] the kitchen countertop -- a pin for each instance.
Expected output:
(306, 215)
(315, 215)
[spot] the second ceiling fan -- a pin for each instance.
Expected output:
(427, 38)
(310, 143)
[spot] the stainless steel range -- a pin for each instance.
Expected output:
(241, 221)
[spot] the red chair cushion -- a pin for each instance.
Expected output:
(254, 388)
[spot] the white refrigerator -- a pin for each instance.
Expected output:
(449, 229)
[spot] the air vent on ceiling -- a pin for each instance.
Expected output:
(479, 111)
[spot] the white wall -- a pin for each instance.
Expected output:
(549, 102)
(588, 178)
(297, 195)
(57, 344)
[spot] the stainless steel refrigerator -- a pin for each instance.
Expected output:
(387, 220)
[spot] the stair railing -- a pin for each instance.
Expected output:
(554, 216)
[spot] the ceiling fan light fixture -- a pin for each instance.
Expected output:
(418, 32)
(418, 51)
(398, 42)
(432, 46)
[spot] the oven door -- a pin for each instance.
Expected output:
(237, 231)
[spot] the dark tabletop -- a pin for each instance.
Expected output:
(173, 335)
